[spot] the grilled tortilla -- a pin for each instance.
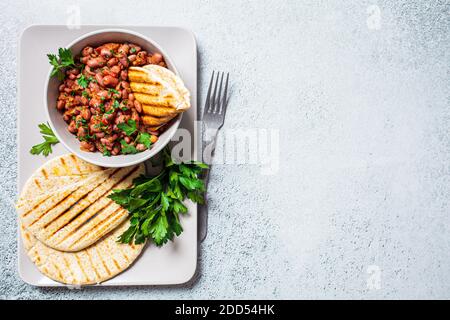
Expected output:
(65, 203)
(161, 93)
(97, 263)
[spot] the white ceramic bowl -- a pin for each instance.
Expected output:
(59, 126)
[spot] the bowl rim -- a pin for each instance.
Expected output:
(150, 152)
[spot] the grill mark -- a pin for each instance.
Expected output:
(36, 182)
(81, 267)
(44, 173)
(92, 264)
(58, 270)
(96, 227)
(63, 163)
(125, 256)
(103, 262)
(68, 267)
(116, 263)
(98, 199)
(76, 202)
(75, 162)
(37, 205)
(112, 258)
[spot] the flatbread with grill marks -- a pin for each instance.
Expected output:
(97, 263)
(75, 211)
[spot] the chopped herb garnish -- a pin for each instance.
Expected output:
(116, 104)
(82, 81)
(49, 139)
(128, 148)
(129, 128)
(60, 62)
(144, 138)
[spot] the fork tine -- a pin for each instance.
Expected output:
(223, 104)
(217, 104)
(208, 95)
(213, 98)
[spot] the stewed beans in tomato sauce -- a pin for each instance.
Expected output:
(97, 103)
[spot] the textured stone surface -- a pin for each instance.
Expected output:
(363, 115)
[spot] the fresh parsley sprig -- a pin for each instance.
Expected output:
(49, 139)
(60, 62)
(155, 203)
(129, 128)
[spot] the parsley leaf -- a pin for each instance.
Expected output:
(129, 128)
(155, 203)
(64, 60)
(49, 139)
(83, 82)
(128, 148)
(144, 138)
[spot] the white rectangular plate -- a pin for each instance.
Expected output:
(175, 262)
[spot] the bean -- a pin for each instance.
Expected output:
(100, 135)
(81, 132)
(116, 149)
(87, 51)
(135, 47)
(87, 146)
(138, 106)
(110, 81)
(88, 70)
(116, 70)
(132, 57)
(124, 61)
(95, 102)
(96, 62)
(72, 127)
(105, 52)
(121, 118)
(124, 75)
(108, 117)
(60, 105)
(86, 114)
(131, 97)
(106, 142)
(112, 62)
(84, 101)
(141, 147)
(124, 48)
(99, 79)
(156, 58)
(104, 94)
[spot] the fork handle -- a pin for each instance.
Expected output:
(203, 208)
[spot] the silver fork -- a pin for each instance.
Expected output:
(213, 119)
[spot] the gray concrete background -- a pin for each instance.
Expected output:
(360, 205)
